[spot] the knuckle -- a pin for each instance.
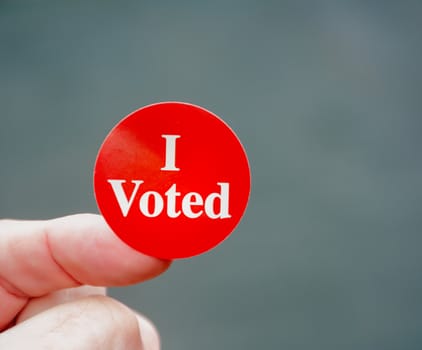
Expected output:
(109, 308)
(120, 322)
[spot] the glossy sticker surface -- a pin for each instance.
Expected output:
(172, 180)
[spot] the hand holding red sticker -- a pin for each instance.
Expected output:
(172, 180)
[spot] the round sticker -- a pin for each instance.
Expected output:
(172, 180)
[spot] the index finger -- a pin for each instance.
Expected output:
(38, 257)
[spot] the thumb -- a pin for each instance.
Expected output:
(92, 323)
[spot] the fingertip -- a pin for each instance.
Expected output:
(87, 247)
(150, 336)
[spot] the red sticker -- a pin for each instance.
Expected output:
(172, 180)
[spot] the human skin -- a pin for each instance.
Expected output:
(52, 278)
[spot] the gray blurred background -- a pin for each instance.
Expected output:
(326, 97)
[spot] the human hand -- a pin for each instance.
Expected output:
(51, 294)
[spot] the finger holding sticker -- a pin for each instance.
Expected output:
(172, 180)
